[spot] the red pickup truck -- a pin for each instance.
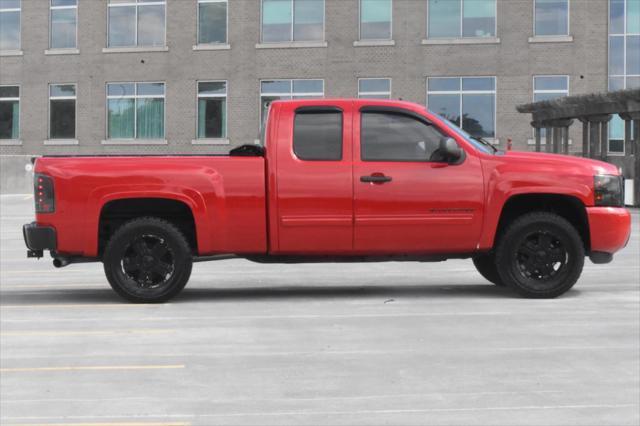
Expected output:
(333, 180)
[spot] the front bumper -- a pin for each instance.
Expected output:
(609, 227)
(38, 238)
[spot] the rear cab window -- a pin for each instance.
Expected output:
(317, 134)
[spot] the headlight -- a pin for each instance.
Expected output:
(609, 190)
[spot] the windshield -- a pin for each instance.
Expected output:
(479, 143)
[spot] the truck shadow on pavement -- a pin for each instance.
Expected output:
(386, 294)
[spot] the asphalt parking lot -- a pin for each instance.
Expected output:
(391, 343)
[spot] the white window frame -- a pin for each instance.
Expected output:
(460, 35)
(293, 20)
(565, 92)
(290, 93)
(461, 92)
(135, 97)
(19, 10)
(19, 110)
(136, 4)
(360, 93)
(61, 98)
(215, 96)
(624, 76)
(51, 9)
(552, 35)
(226, 36)
(360, 24)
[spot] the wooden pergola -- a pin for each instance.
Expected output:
(594, 111)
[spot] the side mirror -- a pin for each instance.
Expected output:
(450, 150)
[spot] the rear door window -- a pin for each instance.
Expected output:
(317, 135)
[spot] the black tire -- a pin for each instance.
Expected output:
(486, 266)
(147, 260)
(540, 255)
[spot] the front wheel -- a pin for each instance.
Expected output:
(540, 255)
(486, 266)
(147, 260)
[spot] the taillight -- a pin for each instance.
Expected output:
(43, 193)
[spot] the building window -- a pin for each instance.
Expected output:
(9, 24)
(212, 21)
(212, 109)
(273, 90)
(135, 110)
(547, 87)
(375, 19)
(62, 111)
(136, 23)
(374, 88)
(9, 112)
(468, 102)
(551, 17)
(292, 20)
(624, 59)
(461, 18)
(63, 24)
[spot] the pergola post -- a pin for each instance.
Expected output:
(632, 148)
(598, 135)
(537, 131)
(585, 137)
(548, 138)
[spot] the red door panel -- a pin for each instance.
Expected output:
(420, 207)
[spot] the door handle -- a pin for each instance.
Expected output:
(375, 178)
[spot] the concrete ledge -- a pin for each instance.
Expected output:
(212, 47)
(551, 39)
(210, 142)
(373, 43)
(11, 53)
(135, 49)
(543, 142)
(10, 142)
(134, 142)
(62, 52)
(61, 142)
(474, 40)
(292, 45)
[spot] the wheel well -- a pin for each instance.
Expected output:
(116, 213)
(568, 207)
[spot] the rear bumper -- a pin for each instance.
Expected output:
(609, 227)
(39, 238)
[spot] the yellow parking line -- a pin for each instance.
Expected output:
(92, 368)
(43, 333)
(79, 305)
(104, 424)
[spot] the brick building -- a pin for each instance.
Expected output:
(193, 76)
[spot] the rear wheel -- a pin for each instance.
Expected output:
(540, 255)
(486, 266)
(147, 260)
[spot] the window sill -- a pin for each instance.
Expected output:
(221, 141)
(61, 142)
(134, 142)
(62, 52)
(10, 142)
(475, 40)
(543, 142)
(551, 39)
(135, 49)
(373, 43)
(11, 53)
(220, 46)
(292, 45)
